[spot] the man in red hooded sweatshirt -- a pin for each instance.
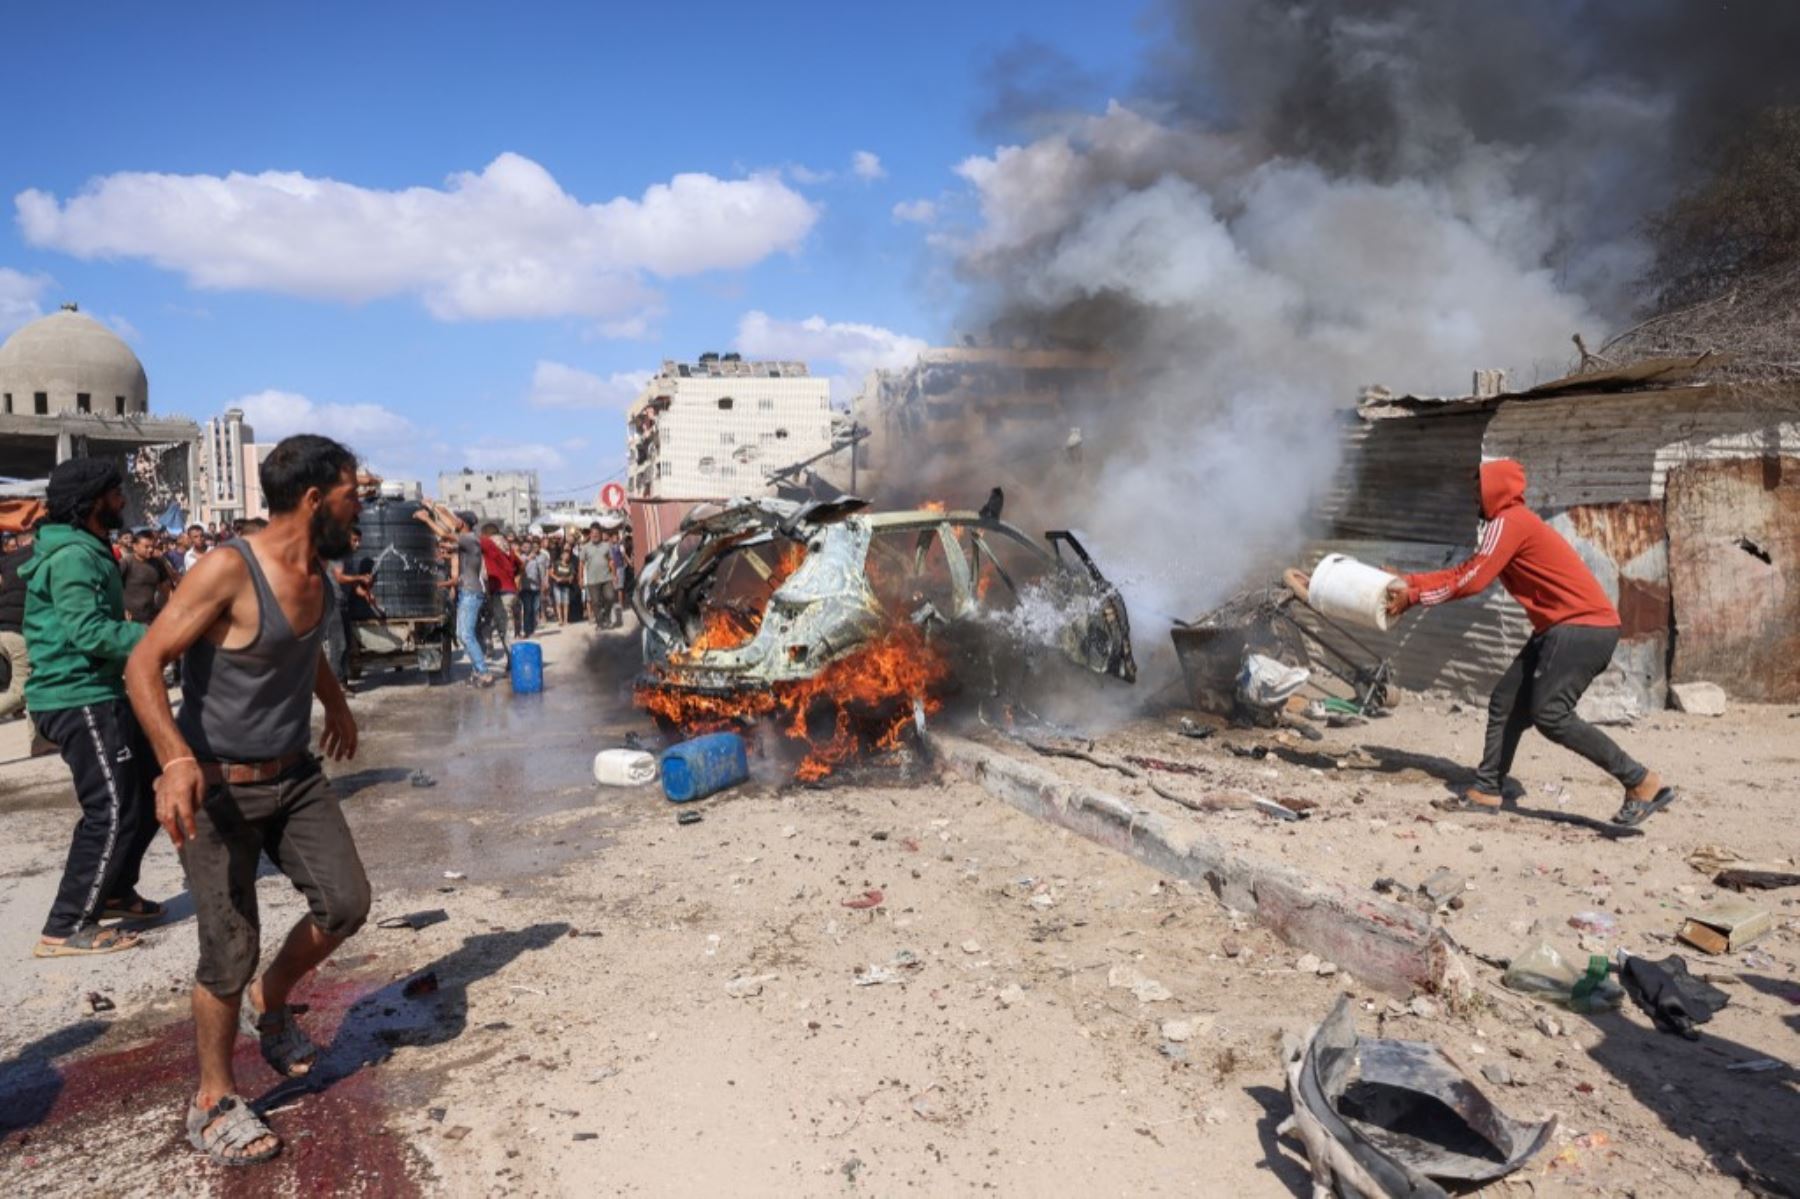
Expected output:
(1574, 632)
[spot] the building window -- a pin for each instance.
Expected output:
(8, 407)
(705, 465)
(84, 402)
(727, 437)
(725, 403)
(40, 403)
(781, 435)
(765, 404)
(119, 405)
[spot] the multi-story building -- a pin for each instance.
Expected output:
(509, 498)
(231, 470)
(715, 428)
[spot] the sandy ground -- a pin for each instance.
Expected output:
(623, 1005)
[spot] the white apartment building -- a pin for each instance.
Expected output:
(509, 498)
(716, 427)
(230, 479)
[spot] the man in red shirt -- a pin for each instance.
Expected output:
(1574, 632)
(502, 585)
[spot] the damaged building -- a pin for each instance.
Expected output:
(71, 388)
(1678, 483)
(953, 405)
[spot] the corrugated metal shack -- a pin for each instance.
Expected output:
(1681, 489)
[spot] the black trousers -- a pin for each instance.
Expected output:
(1540, 690)
(115, 775)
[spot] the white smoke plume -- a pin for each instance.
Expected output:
(1311, 198)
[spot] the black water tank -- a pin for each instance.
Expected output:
(401, 552)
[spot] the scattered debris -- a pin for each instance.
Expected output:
(1758, 1065)
(1729, 869)
(1548, 1025)
(875, 976)
(95, 1003)
(1600, 924)
(1190, 727)
(1542, 971)
(871, 898)
(688, 818)
(457, 1133)
(1128, 978)
(971, 946)
(1441, 887)
(455, 876)
(1359, 759)
(415, 920)
(1698, 699)
(1381, 1117)
(420, 779)
(1497, 1074)
(749, 986)
(1725, 927)
(1177, 1030)
(1010, 994)
(1675, 1000)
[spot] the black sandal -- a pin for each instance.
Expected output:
(135, 907)
(1635, 811)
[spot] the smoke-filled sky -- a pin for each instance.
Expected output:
(1304, 198)
(464, 240)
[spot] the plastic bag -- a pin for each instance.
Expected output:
(1544, 972)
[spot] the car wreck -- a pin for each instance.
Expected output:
(770, 606)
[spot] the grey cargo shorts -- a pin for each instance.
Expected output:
(296, 821)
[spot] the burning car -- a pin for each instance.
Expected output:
(770, 607)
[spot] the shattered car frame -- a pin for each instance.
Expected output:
(760, 592)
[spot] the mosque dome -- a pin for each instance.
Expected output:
(68, 362)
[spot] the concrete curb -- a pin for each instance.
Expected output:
(1392, 948)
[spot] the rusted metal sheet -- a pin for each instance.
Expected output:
(1406, 481)
(1734, 573)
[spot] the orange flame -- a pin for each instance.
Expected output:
(870, 695)
(934, 506)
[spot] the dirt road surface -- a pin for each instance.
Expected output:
(880, 987)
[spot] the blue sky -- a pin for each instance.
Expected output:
(451, 233)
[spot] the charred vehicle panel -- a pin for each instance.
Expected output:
(766, 592)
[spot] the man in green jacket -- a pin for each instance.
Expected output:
(78, 639)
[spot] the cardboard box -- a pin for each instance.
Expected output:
(1726, 927)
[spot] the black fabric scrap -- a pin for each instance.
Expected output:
(1674, 999)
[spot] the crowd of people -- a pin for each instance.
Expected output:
(95, 621)
(507, 586)
(519, 584)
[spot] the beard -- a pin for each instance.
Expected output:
(111, 518)
(331, 539)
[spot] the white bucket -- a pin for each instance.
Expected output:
(1345, 589)
(624, 768)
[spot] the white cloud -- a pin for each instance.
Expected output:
(365, 428)
(19, 296)
(865, 164)
(556, 385)
(802, 173)
(507, 242)
(512, 455)
(917, 212)
(858, 349)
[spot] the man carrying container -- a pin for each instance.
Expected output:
(1574, 632)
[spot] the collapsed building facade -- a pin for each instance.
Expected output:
(1678, 484)
(71, 388)
(938, 421)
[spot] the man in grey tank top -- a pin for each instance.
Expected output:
(239, 779)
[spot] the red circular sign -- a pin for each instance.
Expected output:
(612, 496)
